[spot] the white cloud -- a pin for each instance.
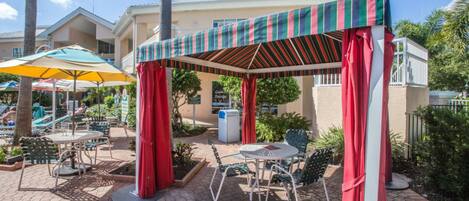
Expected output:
(7, 12)
(63, 3)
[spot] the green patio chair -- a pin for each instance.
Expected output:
(105, 128)
(227, 170)
(297, 138)
(313, 171)
(41, 150)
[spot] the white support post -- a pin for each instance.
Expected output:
(137, 109)
(137, 136)
(374, 118)
(53, 105)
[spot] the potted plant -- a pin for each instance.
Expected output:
(11, 160)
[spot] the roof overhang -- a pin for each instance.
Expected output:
(79, 11)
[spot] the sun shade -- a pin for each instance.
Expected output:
(297, 42)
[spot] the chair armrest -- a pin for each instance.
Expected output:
(284, 171)
(229, 155)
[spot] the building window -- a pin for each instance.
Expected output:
(220, 99)
(17, 52)
(105, 48)
(223, 22)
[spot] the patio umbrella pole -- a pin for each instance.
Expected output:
(74, 99)
(99, 101)
(53, 105)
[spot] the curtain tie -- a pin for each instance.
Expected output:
(346, 186)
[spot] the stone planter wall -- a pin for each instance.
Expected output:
(13, 167)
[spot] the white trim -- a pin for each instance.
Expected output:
(79, 11)
(296, 68)
(374, 118)
(258, 70)
(209, 64)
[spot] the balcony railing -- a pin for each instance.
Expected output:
(409, 67)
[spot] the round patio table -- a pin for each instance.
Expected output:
(66, 137)
(266, 151)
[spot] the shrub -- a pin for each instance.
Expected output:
(333, 138)
(182, 154)
(93, 110)
(109, 101)
(16, 151)
(132, 115)
(270, 128)
(442, 156)
(3, 156)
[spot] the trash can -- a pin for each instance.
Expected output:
(228, 126)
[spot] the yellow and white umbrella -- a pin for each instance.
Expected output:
(70, 63)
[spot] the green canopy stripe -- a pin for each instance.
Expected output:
(322, 18)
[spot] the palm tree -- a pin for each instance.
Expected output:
(24, 106)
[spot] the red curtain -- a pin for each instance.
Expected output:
(357, 51)
(248, 96)
(386, 154)
(155, 162)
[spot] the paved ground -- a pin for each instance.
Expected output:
(93, 187)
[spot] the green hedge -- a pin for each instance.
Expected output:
(442, 157)
(270, 128)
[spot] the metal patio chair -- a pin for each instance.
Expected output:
(41, 150)
(297, 138)
(227, 170)
(313, 171)
(105, 128)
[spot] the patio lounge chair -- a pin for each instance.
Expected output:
(41, 150)
(313, 171)
(105, 128)
(227, 170)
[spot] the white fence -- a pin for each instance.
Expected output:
(409, 67)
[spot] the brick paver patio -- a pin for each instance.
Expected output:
(93, 187)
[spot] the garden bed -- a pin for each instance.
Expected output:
(182, 174)
(11, 167)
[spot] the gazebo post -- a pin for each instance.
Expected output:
(374, 120)
(137, 135)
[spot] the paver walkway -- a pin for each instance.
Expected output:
(93, 187)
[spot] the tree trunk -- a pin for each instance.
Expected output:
(165, 33)
(24, 106)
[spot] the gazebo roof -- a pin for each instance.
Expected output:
(298, 42)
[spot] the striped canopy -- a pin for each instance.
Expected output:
(298, 42)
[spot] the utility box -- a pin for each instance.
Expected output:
(228, 126)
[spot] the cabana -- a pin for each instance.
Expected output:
(348, 36)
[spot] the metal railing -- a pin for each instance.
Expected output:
(416, 127)
(409, 67)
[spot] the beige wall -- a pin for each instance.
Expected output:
(103, 33)
(402, 99)
(203, 112)
(6, 48)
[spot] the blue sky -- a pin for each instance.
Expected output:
(50, 11)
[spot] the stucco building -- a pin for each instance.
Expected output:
(139, 25)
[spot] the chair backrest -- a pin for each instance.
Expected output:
(315, 166)
(103, 127)
(297, 138)
(215, 152)
(38, 150)
(98, 119)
